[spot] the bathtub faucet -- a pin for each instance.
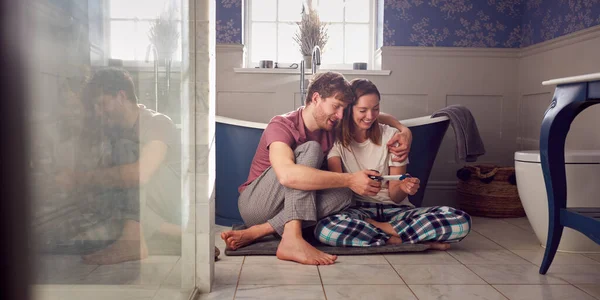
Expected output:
(316, 59)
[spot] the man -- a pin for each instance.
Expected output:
(286, 190)
(140, 189)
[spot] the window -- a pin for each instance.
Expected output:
(270, 27)
(129, 26)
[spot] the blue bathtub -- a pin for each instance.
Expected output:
(236, 142)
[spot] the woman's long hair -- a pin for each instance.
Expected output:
(360, 87)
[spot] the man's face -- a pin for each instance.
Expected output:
(328, 111)
(109, 109)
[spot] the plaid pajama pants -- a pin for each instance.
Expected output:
(413, 225)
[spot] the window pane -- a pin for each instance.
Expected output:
(288, 50)
(263, 41)
(358, 11)
(357, 43)
(142, 9)
(264, 10)
(129, 39)
(334, 49)
(290, 10)
(331, 10)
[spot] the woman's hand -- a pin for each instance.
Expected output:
(399, 145)
(410, 185)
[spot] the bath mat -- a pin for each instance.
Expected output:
(268, 246)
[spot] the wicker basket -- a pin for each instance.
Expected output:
(489, 191)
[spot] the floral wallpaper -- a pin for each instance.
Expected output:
(456, 23)
(547, 19)
(229, 21)
(484, 23)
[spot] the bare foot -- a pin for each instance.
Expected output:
(438, 246)
(235, 239)
(293, 247)
(120, 251)
(385, 226)
(130, 246)
(394, 240)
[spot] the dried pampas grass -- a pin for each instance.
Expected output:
(311, 32)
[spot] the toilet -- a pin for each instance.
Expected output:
(583, 188)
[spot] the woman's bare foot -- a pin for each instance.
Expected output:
(293, 247)
(235, 239)
(385, 226)
(438, 246)
(130, 246)
(394, 240)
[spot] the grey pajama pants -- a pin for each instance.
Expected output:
(266, 200)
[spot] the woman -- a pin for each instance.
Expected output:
(387, 217)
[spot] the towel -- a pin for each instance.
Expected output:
(468, 142)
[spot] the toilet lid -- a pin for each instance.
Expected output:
(571, 156)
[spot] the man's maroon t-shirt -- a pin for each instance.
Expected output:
(289, 129)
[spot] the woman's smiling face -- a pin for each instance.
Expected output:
(365, 111)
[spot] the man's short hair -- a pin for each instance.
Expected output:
(109, 81)
(330, 84)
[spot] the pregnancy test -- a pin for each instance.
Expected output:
(390, 177)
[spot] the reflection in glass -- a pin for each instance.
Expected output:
(106, 163)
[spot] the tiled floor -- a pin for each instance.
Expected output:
(498, 260)
(66, 277)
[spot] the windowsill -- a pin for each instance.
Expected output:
(296, 71)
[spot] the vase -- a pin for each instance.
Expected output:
(308, 61)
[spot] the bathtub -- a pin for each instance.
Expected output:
(236, 142)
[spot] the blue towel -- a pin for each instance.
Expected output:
(468, 142)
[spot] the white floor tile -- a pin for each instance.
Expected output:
(595, 257)
(456, 292)
(276, 292)
(171, 294)
(424, 258)
(577, 274)
(483, 257)
(362, 260)
(92, 292)
(223, 292)
(536, 257)
(592, 289)
(508, 236)
(359, 274)
(542, 292)
(151, 271)
(514, 274)
(437, 274)
(519, 222)
(279, 274)
(227, 274)
(475, 241)
(360, 292)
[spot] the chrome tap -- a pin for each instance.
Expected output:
(155, 53)
(316, 58)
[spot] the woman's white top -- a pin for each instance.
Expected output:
(367, 155)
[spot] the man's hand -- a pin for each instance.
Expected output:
(65, 180)
(399, 145)
(361, 184)
(410, 185)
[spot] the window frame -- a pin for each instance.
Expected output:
(247, 39)
(138, 64)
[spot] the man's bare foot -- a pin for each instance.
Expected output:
(385, 226)
(235, 239)
(394, 240)
(293, 247)
(130, 246)
(438, 246)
